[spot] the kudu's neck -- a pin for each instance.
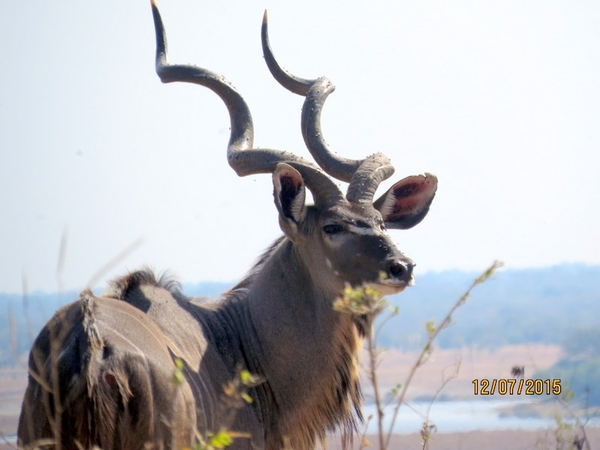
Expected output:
(307, 350)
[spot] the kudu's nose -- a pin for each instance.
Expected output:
(402, 270)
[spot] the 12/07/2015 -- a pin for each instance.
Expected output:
(513, 386)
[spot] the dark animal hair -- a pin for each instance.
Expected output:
(120, 287)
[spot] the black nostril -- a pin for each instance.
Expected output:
(401, 270)
(397, 269)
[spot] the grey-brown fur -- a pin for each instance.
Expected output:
(101, 406)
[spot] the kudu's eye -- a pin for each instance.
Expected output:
(333, 229)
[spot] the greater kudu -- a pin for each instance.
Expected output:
(101, 372)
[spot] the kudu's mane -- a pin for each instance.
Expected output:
(245, 282)
(118, 288)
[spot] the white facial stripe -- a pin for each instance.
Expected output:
(364, 231)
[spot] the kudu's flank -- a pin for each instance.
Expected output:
(101, 372)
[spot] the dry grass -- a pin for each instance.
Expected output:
(475, 364)
(12, 387)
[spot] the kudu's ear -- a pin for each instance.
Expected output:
(407, 202)
(289, 192)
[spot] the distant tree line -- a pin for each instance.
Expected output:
(579, 368)
(517, 306)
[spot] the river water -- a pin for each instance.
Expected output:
(457, 416)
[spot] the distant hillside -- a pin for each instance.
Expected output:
(517, 306)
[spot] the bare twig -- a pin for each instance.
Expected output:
(25, 303)
(433, 332)
(113, 262)
(428, 428)
(62, 256)
(363, 440)
(373, 363)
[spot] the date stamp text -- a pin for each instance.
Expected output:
(514, 386)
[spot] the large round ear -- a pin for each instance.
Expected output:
(289, 192)
(407, 202)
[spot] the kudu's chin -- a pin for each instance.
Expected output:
(392, 286)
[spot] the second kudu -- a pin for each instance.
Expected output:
(101, 372)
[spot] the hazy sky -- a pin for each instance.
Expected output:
(501, 100)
